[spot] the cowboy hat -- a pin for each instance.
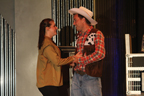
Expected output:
(84, 12)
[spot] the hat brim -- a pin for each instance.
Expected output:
(83, 13)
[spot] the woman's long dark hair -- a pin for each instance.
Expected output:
(44, 23)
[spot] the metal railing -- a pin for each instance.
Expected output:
(66, 33)
(7, 59)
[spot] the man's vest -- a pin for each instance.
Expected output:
(93, 69)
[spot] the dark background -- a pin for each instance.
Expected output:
(115, 19)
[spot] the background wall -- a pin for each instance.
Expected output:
(28, 15)
(7, 11)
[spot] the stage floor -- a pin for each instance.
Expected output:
(142, 94)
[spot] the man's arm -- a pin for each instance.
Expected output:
(99, 53)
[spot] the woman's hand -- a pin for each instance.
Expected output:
(72, 64)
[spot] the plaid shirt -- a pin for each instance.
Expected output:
(95, 56)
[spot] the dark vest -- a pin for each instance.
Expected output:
(93, 69)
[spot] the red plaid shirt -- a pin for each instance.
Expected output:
(95, 56)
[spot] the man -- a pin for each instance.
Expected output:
(90, 41)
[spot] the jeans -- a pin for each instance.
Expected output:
(86, 85)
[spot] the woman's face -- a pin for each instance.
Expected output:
(53, 29)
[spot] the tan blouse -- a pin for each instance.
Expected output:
(49, 65)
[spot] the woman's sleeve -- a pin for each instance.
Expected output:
(54, 58)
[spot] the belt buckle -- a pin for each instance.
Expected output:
(80, 72)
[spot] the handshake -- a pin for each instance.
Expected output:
(76, 59)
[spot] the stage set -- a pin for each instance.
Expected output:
(116, 19)
(121, 22)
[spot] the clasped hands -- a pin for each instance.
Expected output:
(79, 54)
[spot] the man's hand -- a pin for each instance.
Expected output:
(76, 59)
(77, 56)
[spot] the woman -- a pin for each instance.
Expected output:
(49, 63)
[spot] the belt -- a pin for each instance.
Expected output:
(80, 72)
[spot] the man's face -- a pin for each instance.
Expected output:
(78, 22)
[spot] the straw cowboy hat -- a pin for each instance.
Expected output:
(84, 12)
